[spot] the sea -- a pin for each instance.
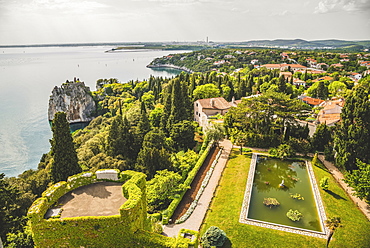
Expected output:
(29, 74)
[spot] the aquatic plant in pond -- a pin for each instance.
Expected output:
(297, 196)
(289, 182)
(271, 202)
(294, 215)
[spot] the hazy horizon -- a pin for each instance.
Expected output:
(25, 22)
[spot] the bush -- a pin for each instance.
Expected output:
(282, 151)
(214, 236)
(324, 183)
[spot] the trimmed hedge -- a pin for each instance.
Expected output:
(167, 214)
(195, 241)
(81, 179)
(54, 192)
(123, 230)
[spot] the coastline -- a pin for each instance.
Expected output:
(171, 66)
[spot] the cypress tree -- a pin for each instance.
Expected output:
(65, 161)
(120, 139)
(351, 138)
(167, 106)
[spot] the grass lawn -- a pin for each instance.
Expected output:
(226, 205)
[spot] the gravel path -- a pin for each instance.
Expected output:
(195, 220)
(362, 205)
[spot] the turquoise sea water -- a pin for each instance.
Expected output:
(27, 77)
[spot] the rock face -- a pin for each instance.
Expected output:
(75, 100)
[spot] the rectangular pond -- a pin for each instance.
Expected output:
(290, 183)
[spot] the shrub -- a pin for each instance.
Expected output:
(324, 183)
(214, 236)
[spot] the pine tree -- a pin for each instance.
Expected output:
(65, 161)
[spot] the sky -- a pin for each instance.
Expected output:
(79, 21)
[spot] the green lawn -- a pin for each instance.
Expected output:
(226, 205)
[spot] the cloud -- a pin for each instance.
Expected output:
(327, 6)
(68, 6)
(282, 13)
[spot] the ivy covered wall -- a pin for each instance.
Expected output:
(124, 230)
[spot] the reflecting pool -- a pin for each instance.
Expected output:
(289, 183)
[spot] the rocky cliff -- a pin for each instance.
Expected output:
(74, 99)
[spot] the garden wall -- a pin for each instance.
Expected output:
(123, 230)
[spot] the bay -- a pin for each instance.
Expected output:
(27, 77)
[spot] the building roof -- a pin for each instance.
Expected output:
(294, 65)
(312, 101)
(323, 78)
(214, 103)
(330, 114)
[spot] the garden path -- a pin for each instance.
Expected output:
(362, 205)
(195, 220)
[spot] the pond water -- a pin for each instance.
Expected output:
(269, 174)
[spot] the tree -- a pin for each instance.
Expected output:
(332, 223)
(283, 151)
(337, 88)
(214, 236)
(143, 127)
(182, 134)
(359, 180)
(10, 212)
(162, 188)
(322, 91)
(205, 91)
(65, 161)
(263, 117)
(321, 138)
(351, 137)
(215, 133)
(120, 139)
(153, 156)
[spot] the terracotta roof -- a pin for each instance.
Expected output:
(312, 101)
(271, 65)
(337, 65)
(323, 78)
(294, 65)
(214, 103)
(329, 119)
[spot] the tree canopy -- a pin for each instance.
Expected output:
(65, 161)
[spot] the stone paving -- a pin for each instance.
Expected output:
(195, 220)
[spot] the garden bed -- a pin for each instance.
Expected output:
(195, 185)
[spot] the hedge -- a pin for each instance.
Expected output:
(123, 230)
(54, 192)
(167, 214)
(81, 179)
(195, 240)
